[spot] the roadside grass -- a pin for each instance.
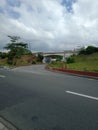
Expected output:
(82, 63)
(85, 63)
(57, 64)
(84, 66)
(3, 62)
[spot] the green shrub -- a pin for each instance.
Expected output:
(33, 62)
(70, 60)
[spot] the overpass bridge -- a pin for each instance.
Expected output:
(63, 53)
(48, 55)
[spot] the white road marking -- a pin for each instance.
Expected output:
(82, 95)
(2, 76)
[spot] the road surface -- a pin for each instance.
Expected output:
(33, 98)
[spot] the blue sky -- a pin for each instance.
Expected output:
(50, 25)
(13, 3)
(68, 4)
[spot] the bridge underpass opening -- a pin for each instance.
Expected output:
(50, 58)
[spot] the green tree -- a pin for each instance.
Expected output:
(3, 55)
(16, 49)
(40, 57)
(82, 51)
(88, 50)
(91, 49)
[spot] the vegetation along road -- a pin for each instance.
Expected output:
(33, 98)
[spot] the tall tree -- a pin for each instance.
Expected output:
(16, 48)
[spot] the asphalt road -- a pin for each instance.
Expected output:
(33, 98)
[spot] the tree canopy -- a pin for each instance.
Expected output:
(88, 50)
(16, 48)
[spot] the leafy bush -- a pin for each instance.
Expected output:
(70, 60)
(33, 62)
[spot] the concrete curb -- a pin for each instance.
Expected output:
(93, 75)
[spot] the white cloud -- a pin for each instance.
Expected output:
(48, 25)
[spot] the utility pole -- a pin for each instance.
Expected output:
(29, 46)
(64, 55)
